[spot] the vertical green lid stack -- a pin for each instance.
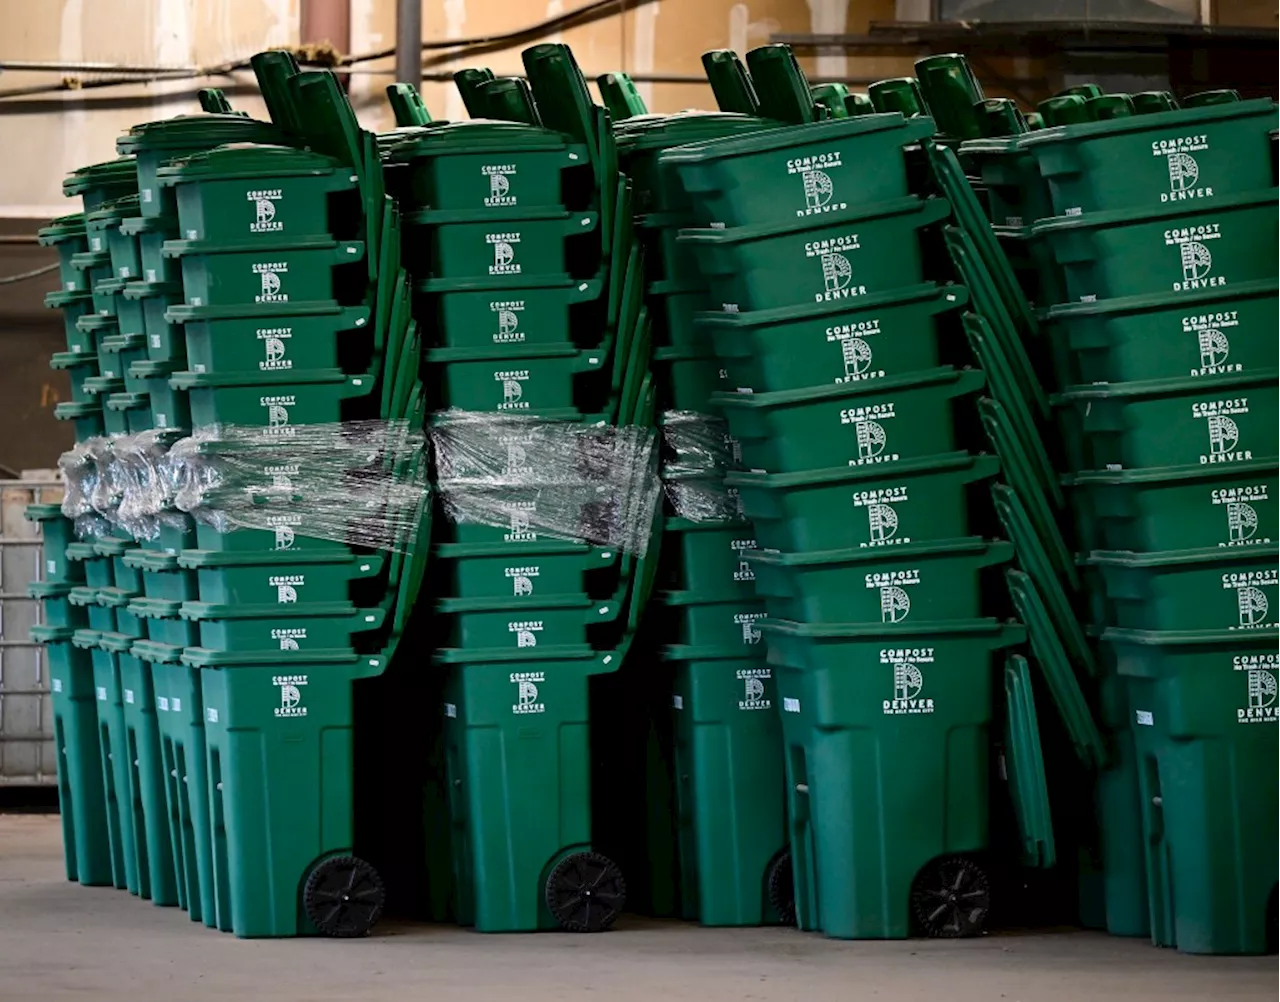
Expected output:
(783, 468)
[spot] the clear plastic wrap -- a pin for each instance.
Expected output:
(698, 451)
(573, 481)
(361, 482)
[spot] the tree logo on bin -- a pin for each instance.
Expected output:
(274, 348)
(750, 629)
(1262, 689)
(290, 687)
(526, 683)
(522, 586)
(1253, 606)
(1214, 347)
(508, 321)
(1196, 260)
(265, 209)
(286, 586)
(284, 538)
(856, 355)
(504, 253)
(1242, 521)
(499, 185)
(882, 522)
(872, 439)
(1183, 171)
(512, 391)
(818, 188)
(837, 272)
(277, 416)
(895, 604)
(908, 682)
(1224, 434)
(753, 691)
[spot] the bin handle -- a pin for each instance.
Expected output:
(369, 619)
(348, 251)
(1011, 633)
(935, 210)
(369, 565)
(581, 222)
(969, 381)
(948, 297)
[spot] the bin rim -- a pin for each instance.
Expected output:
(955, 296)
(1170, 386)
(156, 652)
(839, 474)
(43, 512)
(709, 652)
(782, 137)
(1178, 558)
(154, 608)
(875, 554)
(262, 162)
(934, 205)
(42, 633)
(1125, 217)
(1188, 638)
(1160, 300)
(887, 633)
(838, 391)
(214, 612)
(60, 229)
(1177, 118)
(49, 589)
(86, 638)
(1165, 474)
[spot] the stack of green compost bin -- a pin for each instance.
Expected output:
(719, 724)
(527, 287)
(1158, 270)
(870, 565)
(252, 282)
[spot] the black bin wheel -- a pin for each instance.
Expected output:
(344, 897)
(780, 882)
(586, 892)
(951, 898)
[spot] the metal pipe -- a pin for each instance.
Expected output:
(326, 23)
(409, 42)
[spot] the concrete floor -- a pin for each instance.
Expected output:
(61, 941)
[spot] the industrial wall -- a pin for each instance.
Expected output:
(68, 129)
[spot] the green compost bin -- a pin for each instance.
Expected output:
(1175, 422)
(517, 624)
(1016, 192)
(860, 251)
(1204, 717)
(920, 582)
(279, 737)
(893, 850)
(57, 532)
(274, 401)
(124, 836)
(281, 578)
(1167, 158)
(1221, 332)
(522, 569)
(863, 506)
(147, 774)
(1180, 507)
(302, 628)
(66, 235)
(82, 808)
(517, 763)
(232, 278)
(1178, 248)
(537, 379)
(1206, 589)
(476, 315)
(461, 245)
(56, 607)
(872, 423)
(500, 169)
(730, 798)
(280, 345)
(180, 715)
(156, 144)
(696, 621)
(262, 194)
(872, 337)
(705, 558)
(810, 170)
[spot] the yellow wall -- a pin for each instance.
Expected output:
(65, 130)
